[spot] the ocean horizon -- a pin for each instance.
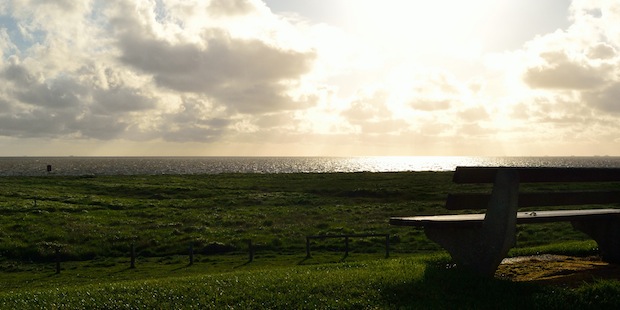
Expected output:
(154, 165)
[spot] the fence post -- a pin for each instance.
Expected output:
(346, 246)
(133, 256)
(191, 253)
(387, 246)
(57, 260)
(307, 247)
(251, 250)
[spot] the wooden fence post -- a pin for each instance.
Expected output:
(191, 253)
(57, 260)
(387, 246)
(133, 256)
(251, 250)
(307, 247)
(346, 246)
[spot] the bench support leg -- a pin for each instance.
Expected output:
(606, 234)
(481, 249)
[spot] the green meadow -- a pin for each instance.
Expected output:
(93, 221)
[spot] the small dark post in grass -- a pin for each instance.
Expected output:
(191, 254)
(307, 247)
(35, 202)
(57, 260)
(251, 250)
(346, 246)
(387, 246)
(133, 256)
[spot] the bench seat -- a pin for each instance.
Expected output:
(522, 218)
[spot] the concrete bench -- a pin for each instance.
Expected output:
(479, 242)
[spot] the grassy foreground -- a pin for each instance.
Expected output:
(404, 283)
(93, 221)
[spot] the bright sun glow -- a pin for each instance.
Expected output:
(423, 26)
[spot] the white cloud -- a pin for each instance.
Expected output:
(231, 7)
(104, 70)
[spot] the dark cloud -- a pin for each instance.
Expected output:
(248, 76)
(35, 123)
(66, 106)
(5, 106)
(102, 127)
(606, 99)
(120, 100)
(560, 72)
(63, 93)
(194, 121)
(17, 74)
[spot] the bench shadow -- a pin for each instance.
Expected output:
(444, 287)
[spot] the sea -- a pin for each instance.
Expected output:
(93, 166)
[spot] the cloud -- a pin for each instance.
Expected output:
(129, 69)
(63, 93)
(120, 100)
(605, 99)
(231, 7)
(371, 107)
(246, 75)
(602, 51)
(573, 79)
(193, 122)
(563, 73)
(101, 127)
(13, 72)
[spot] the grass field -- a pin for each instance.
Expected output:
(94, 221)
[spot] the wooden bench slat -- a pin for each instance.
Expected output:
(480, 201)
(464, 175)
(453, 220)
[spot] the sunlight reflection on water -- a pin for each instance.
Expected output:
(10, 166)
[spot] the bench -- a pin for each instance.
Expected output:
(479, 242)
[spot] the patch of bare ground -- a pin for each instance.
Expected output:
(566, 271)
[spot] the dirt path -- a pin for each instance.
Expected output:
(568, 271)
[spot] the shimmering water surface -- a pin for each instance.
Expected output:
(32, 166)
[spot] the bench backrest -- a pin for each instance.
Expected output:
(467, 175)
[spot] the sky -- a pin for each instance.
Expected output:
(309, 78)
